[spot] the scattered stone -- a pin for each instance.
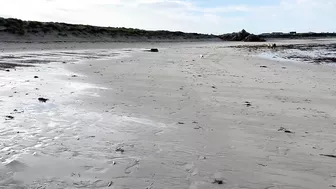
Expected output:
(153, 50)
(113, 163)
(199, 127)
(120, 150)
(195, 122)
(180, 123)
(15, 110)
(328, 155)
(36, 77)
(283, 67)
(217, 181)
(262, 164)
(7, 70)
(214, 87)
(43, 100)
(9, 117)
(263, 66)
(74, 76)
(109, 184)
(285, 130)
(248, 104)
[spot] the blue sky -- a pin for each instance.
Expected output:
(204, 16)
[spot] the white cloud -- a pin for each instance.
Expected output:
(300, 15)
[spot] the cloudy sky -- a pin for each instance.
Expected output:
(204, 16)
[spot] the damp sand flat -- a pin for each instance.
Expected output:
(172, 120)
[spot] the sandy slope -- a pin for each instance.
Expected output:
(182, 122)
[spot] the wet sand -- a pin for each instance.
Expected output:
(167, 120)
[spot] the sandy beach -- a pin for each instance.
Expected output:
(194, 115)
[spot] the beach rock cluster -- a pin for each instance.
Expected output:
(241, 36)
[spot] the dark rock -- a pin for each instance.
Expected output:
(180, 123)
(263, 66)
(285, 130)
(109, 184)
(154, 50)
(44, 100)
(7, 70)
(217, 181)
(120, 150)
(36, 77)
(327, 155)
(248, 104)
(9, 117)
(74, 76)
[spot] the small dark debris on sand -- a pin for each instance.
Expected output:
(328, 155)
(152, 50)
(74, 76)
(248, 104)
(198, 127)
(285, 130)
(109, 184)
(217, 181)
(36, 77)
(180, 123)
(120, 150)
(9, 117)
(43, 100)
(7, 70)
(283, 67)
(214, 87)
(8, 66)
(263, 66)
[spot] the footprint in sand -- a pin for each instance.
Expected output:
(134, 165)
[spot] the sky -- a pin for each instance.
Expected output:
(201, 16)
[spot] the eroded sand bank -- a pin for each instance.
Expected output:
(170, 120)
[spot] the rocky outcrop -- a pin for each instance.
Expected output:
(241, 36)
(254, 38)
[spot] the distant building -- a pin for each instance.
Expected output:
(292, 33)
